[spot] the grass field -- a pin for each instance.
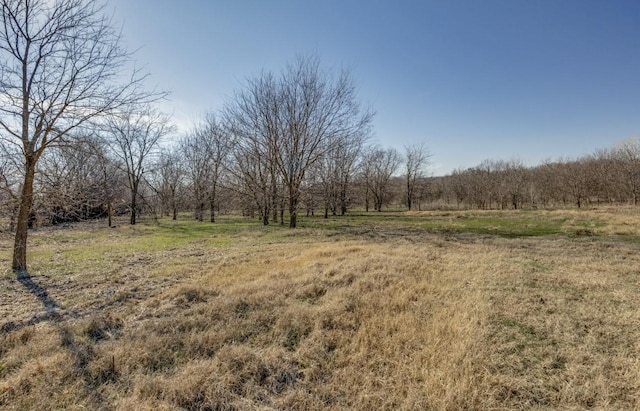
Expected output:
(380, 311)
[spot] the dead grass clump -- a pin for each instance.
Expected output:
(236, 378)
(187, 295)
(36, 384)
(103, 327)
(293, 326)
(311, 293)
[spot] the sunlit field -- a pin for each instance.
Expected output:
(442, 310)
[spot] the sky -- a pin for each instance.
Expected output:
(532, 80)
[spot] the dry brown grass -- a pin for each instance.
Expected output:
(403, 319)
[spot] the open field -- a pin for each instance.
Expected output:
(424, 310)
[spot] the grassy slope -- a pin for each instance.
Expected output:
(462, 310)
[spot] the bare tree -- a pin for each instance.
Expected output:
(515, 180)
(295, 120)
(206, 152)
(10, 177)
(196, 163)
(169, 180)
(69, 186)
(627, 154)
(335, 171)
(347, 154)
(379, 165)
(606, 176)
(134, 135)
(573, 181)
(319, 111)
(217, 146)
(61, 65)
(251, 118)
(112, 181)
(254, 176)
(416, 161)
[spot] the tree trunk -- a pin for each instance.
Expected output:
(366, 198)
(212, 206)
(22, 223)
(134, 206)
(293, 211)
(293, 219)
(109, 212)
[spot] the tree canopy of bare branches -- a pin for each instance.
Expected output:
(134, 136)
(416, 160)
(290, 122)
(206, 151)
(378, 166)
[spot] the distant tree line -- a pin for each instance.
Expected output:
(608, 176)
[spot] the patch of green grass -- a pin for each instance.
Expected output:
(513, 225)
(60, 251)
(504, 224)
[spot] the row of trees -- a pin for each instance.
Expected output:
(608, 176)
(203, 172)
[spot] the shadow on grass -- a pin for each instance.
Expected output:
(37, 290)
(52, 310)
(81, 350)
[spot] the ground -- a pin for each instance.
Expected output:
(425, 310)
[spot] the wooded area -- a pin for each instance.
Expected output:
(82, 140)
(208, 172)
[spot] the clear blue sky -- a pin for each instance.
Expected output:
(473, 80)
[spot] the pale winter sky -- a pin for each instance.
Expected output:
(471, 79)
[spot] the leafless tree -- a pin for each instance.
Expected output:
(69, 186)
(416, 161)
(294, 120)
(218, 144)
(196, 163)
(112, 181)
(627, 154)
(378, 166)
(335, 172)
(134, 136)
(251, 118)
(206, 152)
(324, 185)
(169, 179)
(348, 154)
(573, 181)
(514, 178)
(319, 111)
(10, 179)
(61, 65)
(606, 176)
